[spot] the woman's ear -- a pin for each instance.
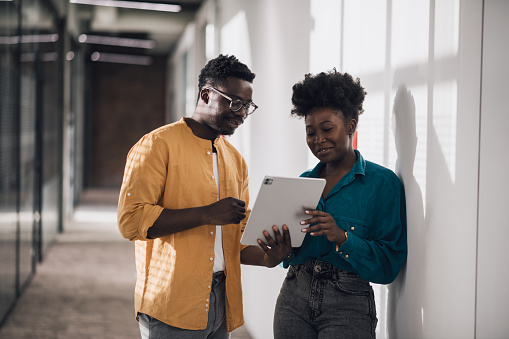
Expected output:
(352, 126)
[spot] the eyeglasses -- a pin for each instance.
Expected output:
(236, 104)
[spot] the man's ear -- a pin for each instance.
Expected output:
(352, 126)
(204, 95)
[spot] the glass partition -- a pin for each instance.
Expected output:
(8, 153)
(30, 141)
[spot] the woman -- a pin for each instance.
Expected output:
(357, 234)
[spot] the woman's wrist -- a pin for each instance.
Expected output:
(338, 244)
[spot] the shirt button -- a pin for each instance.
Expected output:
(128, 194)
(206, 310)
(346, 256)
(206, 305)
(212, 177)
(211, 258)
(208, 152)
(207, 300)
(352, 228)
(212, 233)
(208, 286)
(341, 252)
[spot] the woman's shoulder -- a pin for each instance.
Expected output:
(306, 173)
(382, 173)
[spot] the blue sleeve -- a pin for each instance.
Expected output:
(379, 258)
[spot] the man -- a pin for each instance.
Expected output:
(183, 201)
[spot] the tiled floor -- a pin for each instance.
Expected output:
(84, 288)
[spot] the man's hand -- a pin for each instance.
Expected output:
(223, 212)
(226, 211)
(276, 250)
(325, 225)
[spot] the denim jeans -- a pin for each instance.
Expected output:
(318, 300)
(151, 328)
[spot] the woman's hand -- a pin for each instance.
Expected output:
(325, 225)
(276, 250)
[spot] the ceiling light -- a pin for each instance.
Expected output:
(130, 4)
(115, 41)
(122, 58)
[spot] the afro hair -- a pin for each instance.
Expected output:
(338, 91)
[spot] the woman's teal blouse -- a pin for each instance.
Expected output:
(368, 203)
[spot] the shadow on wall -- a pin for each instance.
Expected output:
(399, 320)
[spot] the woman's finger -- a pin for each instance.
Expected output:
(316, 213)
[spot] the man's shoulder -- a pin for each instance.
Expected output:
(164, 135)
(169, 129)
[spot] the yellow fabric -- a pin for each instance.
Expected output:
(172, 168)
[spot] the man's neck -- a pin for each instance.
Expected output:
(200, 130)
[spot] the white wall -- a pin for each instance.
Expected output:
(420, 62)
(492, 272)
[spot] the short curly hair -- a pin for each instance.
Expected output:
(332, 89)
(217, 70)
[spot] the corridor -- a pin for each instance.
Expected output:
(84, 287)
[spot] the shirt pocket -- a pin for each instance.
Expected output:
(357, 227)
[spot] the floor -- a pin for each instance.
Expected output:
(84, 287)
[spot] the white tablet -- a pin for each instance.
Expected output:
(282, 201)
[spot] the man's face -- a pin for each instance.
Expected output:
(218, 114)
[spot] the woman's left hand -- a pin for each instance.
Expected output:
(325, 225)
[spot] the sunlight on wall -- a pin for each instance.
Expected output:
(364, 47)
(235, 40)
(370, 131)
(445, 96)
(445, 90)
(325, 43)
(409, 33)
(447, 18)
(325, 36)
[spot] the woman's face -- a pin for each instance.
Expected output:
(328, 136)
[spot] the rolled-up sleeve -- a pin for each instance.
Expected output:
(142, 187)
(380, 259)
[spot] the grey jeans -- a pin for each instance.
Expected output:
(151, 328)
(318, 300)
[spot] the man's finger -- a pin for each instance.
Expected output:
(270, 241)
(286, 235)
(279, 237)
(264, 246)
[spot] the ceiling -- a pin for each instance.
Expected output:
(164, 28)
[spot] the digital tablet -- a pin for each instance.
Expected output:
(282, 201)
